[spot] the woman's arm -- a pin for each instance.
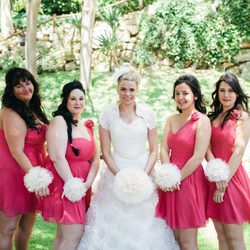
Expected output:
(241, 140)
(93, 169)
(15, 131)
(209, 155)
(106, 150)
(164, 153)
(203, 134)
(153, 149)
(57, 139)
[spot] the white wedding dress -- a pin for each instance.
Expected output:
(112, 224)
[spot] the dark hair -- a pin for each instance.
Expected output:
(64, 112)
(31, 112)
(193, 83)
(241, 102)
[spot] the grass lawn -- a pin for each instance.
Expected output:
(156, 90)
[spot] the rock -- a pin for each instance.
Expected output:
(124, 36)
(244, 56)
(130, 46)
(133, 29)
(70, 66)
(245, 45)
(127, 56)
(69, 56)
(245, 73)
(133, 40)
(227, 65)
(234, 70)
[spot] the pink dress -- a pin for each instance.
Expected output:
(235, 209)
(14, 197)
(60, 210)
(184, 208)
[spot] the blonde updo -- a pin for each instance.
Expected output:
(127, 72)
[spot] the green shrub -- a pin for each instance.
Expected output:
(187, 32)
(9, 60)
(127, 7)
(237, 13)
(61, 6)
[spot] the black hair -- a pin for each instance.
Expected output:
(241, 102)
(64, 112)
(193, 83)
(29, 113)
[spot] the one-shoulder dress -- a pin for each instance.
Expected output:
(184, 208)
(14, 197)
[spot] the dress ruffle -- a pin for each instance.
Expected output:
(114, 225)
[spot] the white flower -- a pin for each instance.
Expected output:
(37, 178)
(132, 185)
(74, 189)
(166, 175)
(217, 170)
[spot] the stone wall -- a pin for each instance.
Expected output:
(59, 47)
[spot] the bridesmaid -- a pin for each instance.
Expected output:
(22, 135)
(74, 160)
(184, 144)
(229, 201)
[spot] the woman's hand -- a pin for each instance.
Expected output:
(218, 196)
(173, 188)
(42, 192)
(221, 185)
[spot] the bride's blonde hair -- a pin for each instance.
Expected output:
(127, 72)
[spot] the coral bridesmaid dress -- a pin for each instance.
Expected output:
(184, 208)
(235, 209)
(14, 197)
(58, 209)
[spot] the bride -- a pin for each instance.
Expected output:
(111, 223)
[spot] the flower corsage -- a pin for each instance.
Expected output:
(37, 178)
(89, 123)
(132, 185)
(74, 189)
(217, 170)
(166, 175)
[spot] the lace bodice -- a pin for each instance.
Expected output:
(129, 141)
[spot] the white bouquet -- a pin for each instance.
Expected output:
(217, 170)
(37, 178)
(166, 175)
(132, 185)
(74, 189)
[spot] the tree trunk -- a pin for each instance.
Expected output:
(30, 43)
(88, 20)
(141, 4)
(6, 19)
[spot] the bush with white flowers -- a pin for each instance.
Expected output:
(166, 175)
(37, 178)
(217, 170)
(74, 189)
(132, 185)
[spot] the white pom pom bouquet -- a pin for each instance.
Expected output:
(217, 170)
(74, 189)
(166, 175)
(132, 185)
(37, 178)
